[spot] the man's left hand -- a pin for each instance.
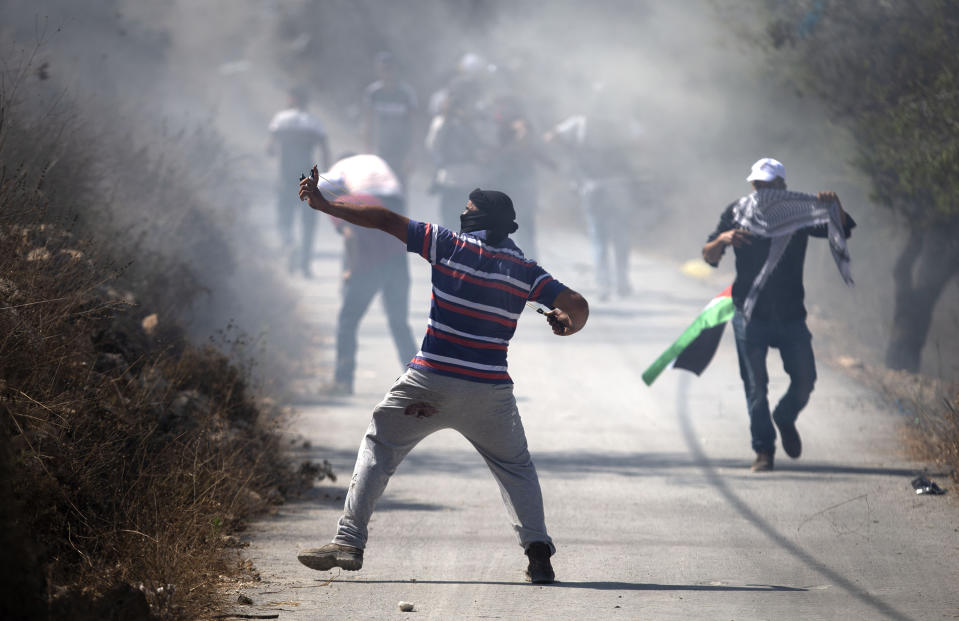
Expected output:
(828, 197)
(560, 322)
(832, 197)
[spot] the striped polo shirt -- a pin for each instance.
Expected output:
(479, 292)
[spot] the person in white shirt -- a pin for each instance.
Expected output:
(372, 264)
(295, 135)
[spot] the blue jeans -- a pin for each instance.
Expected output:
(794, 342)
(607, 205)
(289, 210)
(392, 280)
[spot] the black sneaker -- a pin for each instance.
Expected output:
(792, 443)
(540, 571)
(763, 463)
(332, 555)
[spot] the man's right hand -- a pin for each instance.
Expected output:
(311, 194)
(560, 322)
(713, 251)
(736, 238)
(569, 315)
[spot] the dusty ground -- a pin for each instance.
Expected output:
(648, 496)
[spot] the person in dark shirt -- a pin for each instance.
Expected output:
(516, 157)
(459, 151)
(777, 319)
(599, 143)
(389, 106)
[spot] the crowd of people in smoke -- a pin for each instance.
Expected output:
(478, 129)
(481, 135)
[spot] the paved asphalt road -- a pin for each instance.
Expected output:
(648, 494)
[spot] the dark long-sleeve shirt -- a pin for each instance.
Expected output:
(782, 296)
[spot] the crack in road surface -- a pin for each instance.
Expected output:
(737, 503)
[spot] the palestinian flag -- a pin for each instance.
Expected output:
(695, 347)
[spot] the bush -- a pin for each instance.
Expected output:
(127, 454)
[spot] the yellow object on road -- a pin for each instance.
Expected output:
(696, 268)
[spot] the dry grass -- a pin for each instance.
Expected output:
(127, 454)
(929, 409)
(932, 418)
(930, 422)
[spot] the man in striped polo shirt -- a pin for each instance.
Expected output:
(458, 380)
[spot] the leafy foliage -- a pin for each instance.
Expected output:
(887, 71)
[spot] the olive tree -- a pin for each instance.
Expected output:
(888, 70)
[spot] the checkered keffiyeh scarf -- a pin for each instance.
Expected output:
(777, 214)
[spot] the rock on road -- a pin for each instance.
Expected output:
(648, 495)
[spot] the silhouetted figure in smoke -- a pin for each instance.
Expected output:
(372, 263)
(389, 108)
(458, 380)
(459, 151)
(472, 72)
(769, 230)
(295, 134)
(598, 143)
(514, 164)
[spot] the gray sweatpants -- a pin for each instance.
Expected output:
(485, 414)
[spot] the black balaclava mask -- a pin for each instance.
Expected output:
(494, 214)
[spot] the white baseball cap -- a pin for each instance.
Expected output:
(767, 169)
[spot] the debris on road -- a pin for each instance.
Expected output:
(922, 485)
(232, 541)
(149, 323)
(848, 362)
(405, 606)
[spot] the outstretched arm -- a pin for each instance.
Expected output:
(369, 216)
(569, 315)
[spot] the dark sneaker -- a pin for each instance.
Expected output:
(332, 555)
(540, 571)
(792, 444)
(763, 463)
